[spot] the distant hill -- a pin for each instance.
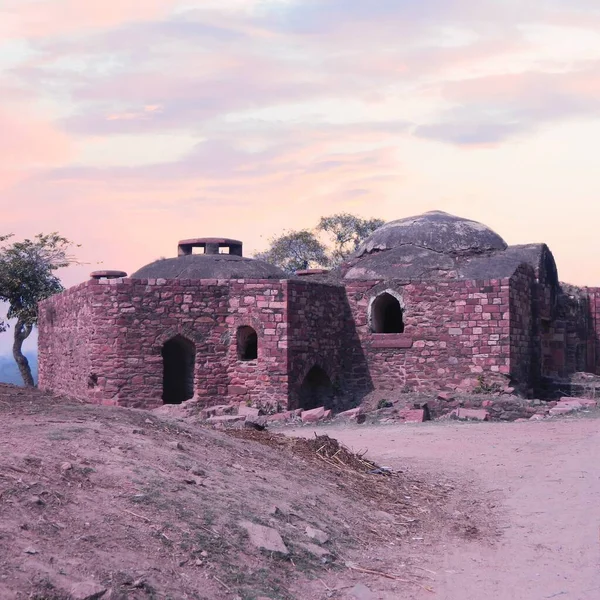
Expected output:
(9, 372)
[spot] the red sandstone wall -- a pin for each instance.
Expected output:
(261, 305)
(593, 343)
(65, 328)
(521, 325)
(129, 320)
(322, 332)
(454, 332)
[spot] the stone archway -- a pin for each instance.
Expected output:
(386, 314)
(179, 357)
(316, 390)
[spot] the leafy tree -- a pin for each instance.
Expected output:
(298, 250)
(294, 251)
(27, 277)
(347, 232)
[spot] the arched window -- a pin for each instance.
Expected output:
(386, 315)
(247, 343)
(179, 356)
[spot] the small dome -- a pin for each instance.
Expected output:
(210, 265)
(436, 231)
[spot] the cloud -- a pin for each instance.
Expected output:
(492, 109)
(43, 18)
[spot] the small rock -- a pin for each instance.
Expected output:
(537, 417)
(66, 466)
(87, 590)
(258, 423)
(37, 501)
(361, 592)
(248, 411)
(204, 553)
(196, 470)
(225, 419)
(350, 414)
(562, 410)
(413, 415)
(148, 421)
(317, 534)
(30, 551)
(190, 481)
(314, 415)
(265, 538)
(175, 445)
(473, 414)
(313, 549)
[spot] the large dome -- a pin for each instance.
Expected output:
(433, 245)
(211, 265)
(437, 231)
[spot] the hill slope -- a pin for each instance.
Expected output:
(126, 504)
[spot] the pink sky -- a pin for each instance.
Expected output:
(129, 125)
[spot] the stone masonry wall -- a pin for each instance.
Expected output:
(521, 326)
(261, 305)
(65, 328)
(455, 332)
(132, 319)
(322, 332)
(594, 341)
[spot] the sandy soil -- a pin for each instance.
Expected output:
(542, 478)
(136, 506)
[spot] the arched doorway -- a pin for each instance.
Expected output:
(316, 390)
(179, 356)
(386, 315)
(247, 343)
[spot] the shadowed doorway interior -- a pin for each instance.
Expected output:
(178, 370)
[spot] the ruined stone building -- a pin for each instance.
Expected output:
(431, 302)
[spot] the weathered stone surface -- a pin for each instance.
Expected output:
(87, 590)
(248, 411)
(412, 415)
(317, 534)
(350, 414)
(562, 410)
(265, 538)
(314, 415)
(226, 419)
(258, 423)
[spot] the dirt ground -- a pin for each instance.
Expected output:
(119, 504)
(542, 479)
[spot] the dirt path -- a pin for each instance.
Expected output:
(544, 478)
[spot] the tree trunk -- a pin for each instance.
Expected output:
(22, 331)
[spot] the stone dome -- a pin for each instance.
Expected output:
(212, 264)
(436, 231)
(433, 245)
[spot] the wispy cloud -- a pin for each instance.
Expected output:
(272, 112)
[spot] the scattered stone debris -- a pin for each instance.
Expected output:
(472, 414)
(265, 538)
(316, 534)
(87, 590)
